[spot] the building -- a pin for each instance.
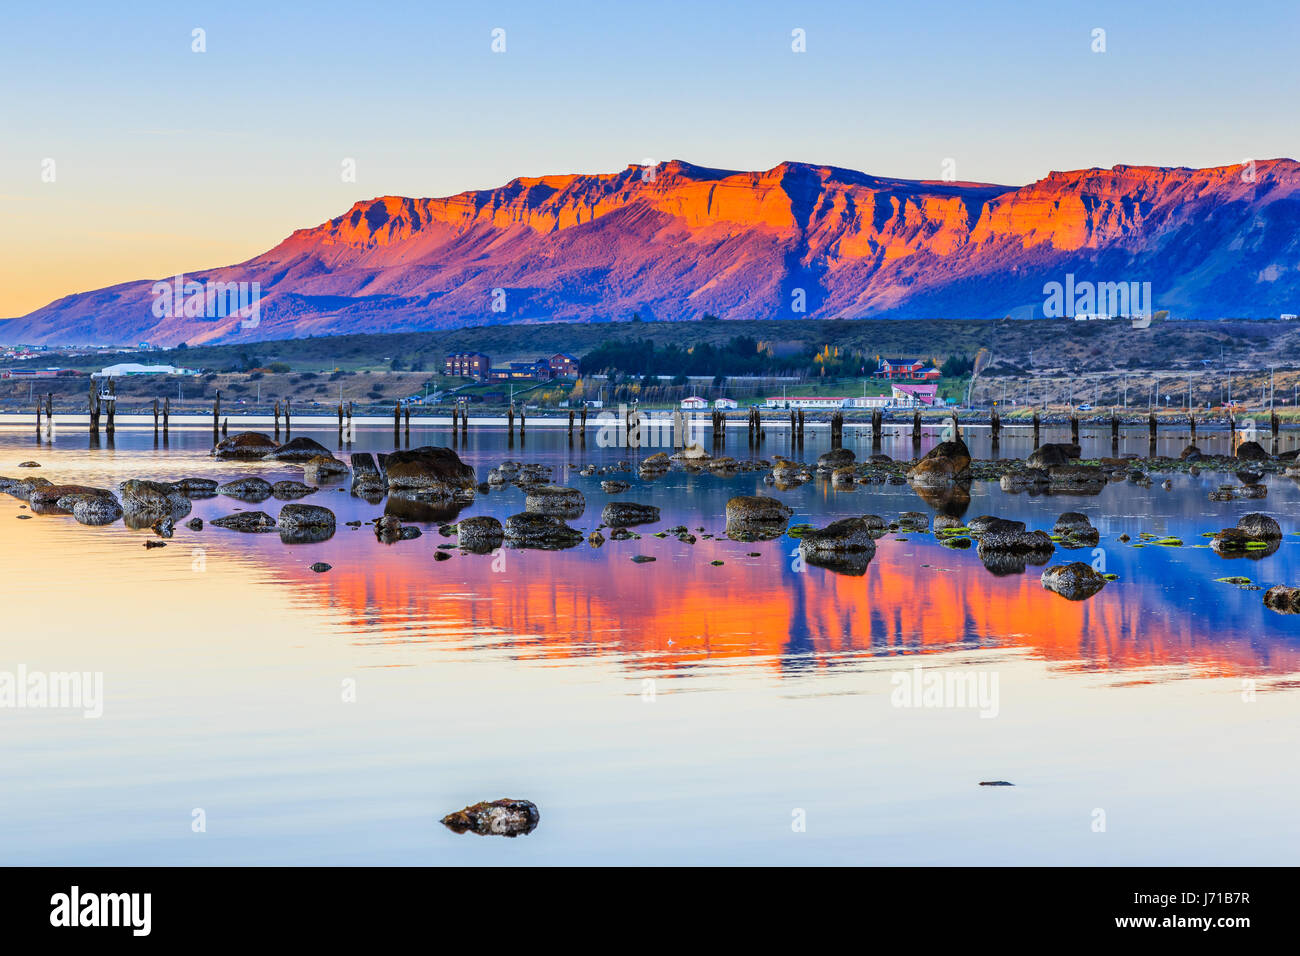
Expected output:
(695, 402)
(870, 401)
(807, 402)
(905, 368)
(134, 368)
(563, 365)
(539, 371)
(33, 372)
(473, 365)
(915, 396)
(725, 403)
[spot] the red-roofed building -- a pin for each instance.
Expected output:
(913, 369)
(913, 396)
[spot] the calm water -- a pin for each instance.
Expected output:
(673, 711)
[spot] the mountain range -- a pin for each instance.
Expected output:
(677, 241)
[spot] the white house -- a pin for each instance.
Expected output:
(725, 403)
(134, 368)
(694, 401)
(808, 402)
(869, 401)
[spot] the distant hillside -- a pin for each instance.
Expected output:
(677, 241)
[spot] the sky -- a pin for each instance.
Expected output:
(126, 154)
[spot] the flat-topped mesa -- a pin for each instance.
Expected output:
(674, 241)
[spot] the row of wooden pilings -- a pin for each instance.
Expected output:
(103, 408)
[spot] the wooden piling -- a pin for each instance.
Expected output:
(225, 427)
(1037, 422)
(916, 427)
(995, 427)
(112, 408)
(216, 418)
(1191, 421)
(397, 424)
(277, 421)
(155, 418)
(406, 422)
(288, 419)
(167, 414)
(1074, 428)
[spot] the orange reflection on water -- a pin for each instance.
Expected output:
(681, 609)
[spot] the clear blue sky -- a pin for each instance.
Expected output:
(166, 159)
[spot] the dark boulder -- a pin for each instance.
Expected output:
(1076, 581)
(245, 446)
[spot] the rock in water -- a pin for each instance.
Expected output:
(288, 490)
(323, 467)
(298, 449)
(295, 517)
(1076, 581)
(1251, 451)
(480, 533)
(320, 567)
(620, 514)
(946, 462)
(144, 502)
(1051, 455)
(434, 470)
(245, 446)
(507, 817)
(95, 510)
(531, 530)
(555, 500)
(1283, 599)
(253, 522)
(757, 517)
(1258, 526)
(246, 489)
(848, 534)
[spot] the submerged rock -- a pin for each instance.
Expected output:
(298, 449)
(555, 500)
(95, 510)
(621, 514)
(532, 530)
(432, 470)
(1283, 599)
(1259, 526)
(251, 522)
(246, 489)
(480, 533)
(144, 502)
(1251, 451)
(296, 517)
(614, 486)
(244, 446)
(323, 468)
(1076, 581)
(946, 462)
(847, 534)
(1052, 455)
(505, 817)
(287, 490)
(196, 487)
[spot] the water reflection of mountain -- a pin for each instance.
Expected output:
(913, 597)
